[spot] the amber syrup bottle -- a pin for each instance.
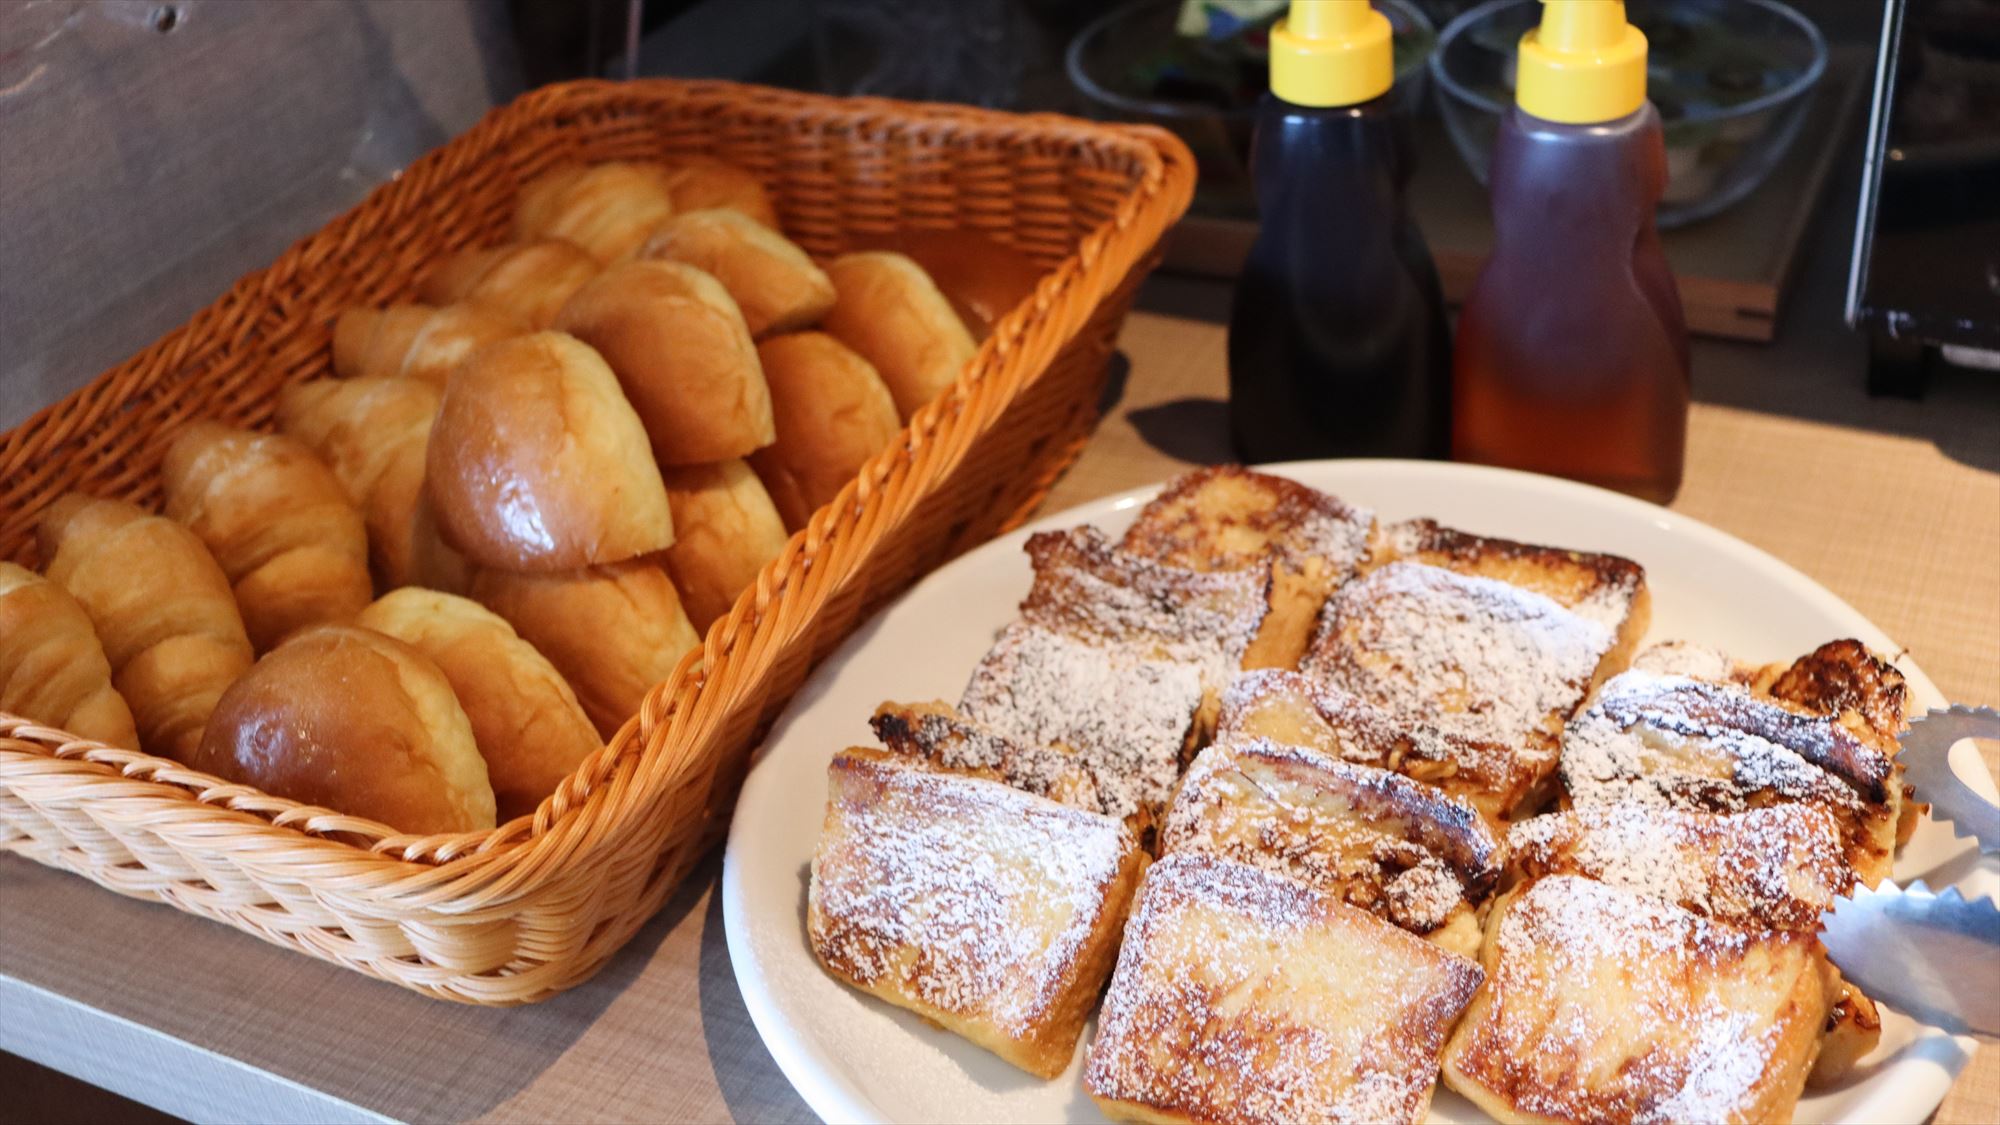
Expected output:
(1572, 351)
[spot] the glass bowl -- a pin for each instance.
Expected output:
(1134, 64)
(1732, 80)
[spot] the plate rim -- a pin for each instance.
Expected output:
(827, 1095)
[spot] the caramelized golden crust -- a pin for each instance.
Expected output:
(1843, 680)
(1606, 1005)
(1245, 996)
(1287, 707)
(934, 733)
(1131, 719)
(1675, 742)
(1608, 589)
(1492, 665)
(1397, 848)
(1230, 518)
(1088, 589)
(987, 910)
(1777, 868)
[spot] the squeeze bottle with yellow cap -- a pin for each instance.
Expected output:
(1572, 353)
(1337, 338)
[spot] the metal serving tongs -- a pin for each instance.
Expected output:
(1934, 955)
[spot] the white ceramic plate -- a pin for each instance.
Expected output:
(854, 1058)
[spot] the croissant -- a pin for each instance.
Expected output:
(161, 606)
(52, 668)
(525, 719)
(702, 183)
(416, 341)
(608, 209)
(277, 520)
(612, 631)
(528, 281)
(372, 433)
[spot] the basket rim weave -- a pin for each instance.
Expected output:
(607, 797)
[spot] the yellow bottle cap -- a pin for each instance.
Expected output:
(1583, 65)
(1331, 52)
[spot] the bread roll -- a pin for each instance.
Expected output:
(528, 281)
(681, 352)
(773, 282)
(984, 279)
(608, 209)
(416, 341)
(833, 414)
(52, 668)
(701, 183)
(890, 311)
(162, 608)
(538, 462)
(527, 722)
(372, 433)
(612, 631)
(725, 530)
(360, 723)
(277, 520)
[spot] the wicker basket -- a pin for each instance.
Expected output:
(517, 914)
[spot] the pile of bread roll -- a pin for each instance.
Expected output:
(462, 562)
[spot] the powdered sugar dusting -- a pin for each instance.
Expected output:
(1780, 866)
(963, 894)
(1128, 717)
(1686, 658)
(1245, 996)
(1471, 658)
(953, 742)
(1364, 834)
(1086, 588)
(1694, 1029)
(1675, 741)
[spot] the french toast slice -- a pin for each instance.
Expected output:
(991, 912)
(1840, 679)
(1779, 867)
(1484, 662)
(1608, 589)
(1088, 589)
(1603, 1004)
(934, 733)
(1396, 848)
(1245, 996)
(1231, 518)
(1697, 662)
(1286, 707)
(1676, 742)
(1132, 719)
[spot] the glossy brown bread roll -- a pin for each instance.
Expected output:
(833, 413)
(355, 721)
(889, 311)
(700, 183)
(683, 356)
(278, 522)
(608, 209)
(52, 667)
(528, 281)
(612, 631)
(162, 608)
(537, 461)
(416, 341)
(776, 285)
(373, 433)
(725, 530)
(527, 722)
